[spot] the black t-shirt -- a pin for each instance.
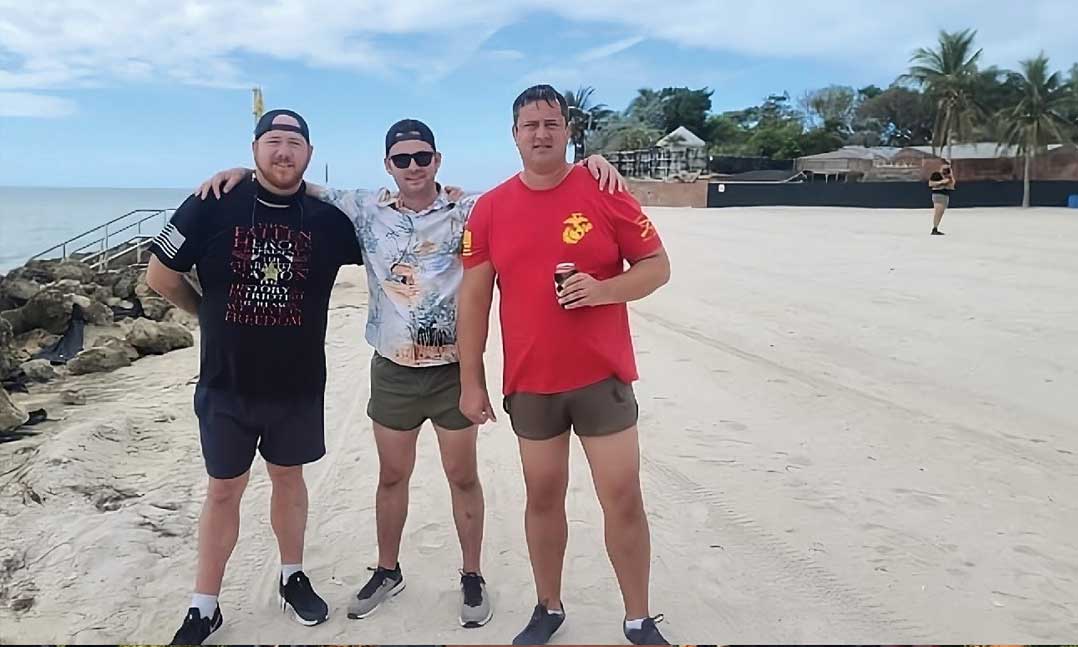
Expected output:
(938, 177)
(266, 264)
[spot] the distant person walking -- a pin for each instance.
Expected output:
(941, 183)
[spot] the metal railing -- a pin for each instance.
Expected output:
(106, 242)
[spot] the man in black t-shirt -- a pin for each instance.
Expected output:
(267, 257)
(941, 183)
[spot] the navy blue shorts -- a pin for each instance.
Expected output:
(286, 431)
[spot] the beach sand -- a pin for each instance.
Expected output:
(852, 432)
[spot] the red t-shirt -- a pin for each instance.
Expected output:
(525, 233)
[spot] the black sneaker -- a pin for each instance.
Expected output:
(299, 597)
(475, 609)
(937, 232)
(541, 627)
(196, 629)
(383, 585)
(648, 634)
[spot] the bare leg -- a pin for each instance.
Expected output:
(546, 479)
(461, 470)
(288, 510)
(218, 531)
(396, 460)
(615, 468)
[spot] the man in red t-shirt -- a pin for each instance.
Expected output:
(569, 359)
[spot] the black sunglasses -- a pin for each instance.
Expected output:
(404, 160)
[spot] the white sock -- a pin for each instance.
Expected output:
(635, 624)
(206, 604)
(288, 569)
(556, 612)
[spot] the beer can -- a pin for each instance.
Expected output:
(562, 272)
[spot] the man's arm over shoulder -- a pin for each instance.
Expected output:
(344, 237)
(353, 202)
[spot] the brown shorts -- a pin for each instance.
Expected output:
(600, 409)
(404, 397)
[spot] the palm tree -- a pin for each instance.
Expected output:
(1038, 118)
(584, 117)
(949, 75)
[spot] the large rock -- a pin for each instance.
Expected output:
(11, 416)
(108, 278)
(49, 309)
(155, 307)
(156, 338)
(108, 341)
(98, 313)
(188, 321)
(39, 370)
(69, 286)
(100, 293)
(98, 360)
(124, 287)
(33, 341)
(40, 271)
(9, 352)
(19, 290)
(72, 269)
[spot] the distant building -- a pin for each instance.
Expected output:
(976, 161)
(680, 151)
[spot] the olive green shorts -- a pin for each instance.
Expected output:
(599, 409)
(404, 397)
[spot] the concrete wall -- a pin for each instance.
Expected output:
(1057, 165)
(652, 193)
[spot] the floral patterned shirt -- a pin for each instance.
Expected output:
(414, 272)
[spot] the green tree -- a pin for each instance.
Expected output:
(669, 108)
(646, 108)
(948, 75)
(621, 133)
(898, 116)
(1037, 119)
(820, 140)
(585, 118)
(835, 105)
(685, 107)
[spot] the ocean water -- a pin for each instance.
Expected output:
(33, 219)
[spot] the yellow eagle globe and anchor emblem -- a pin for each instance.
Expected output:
(576, 226)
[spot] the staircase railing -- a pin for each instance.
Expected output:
(105, 243)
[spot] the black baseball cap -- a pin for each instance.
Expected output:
(409, 130)
(265, 124)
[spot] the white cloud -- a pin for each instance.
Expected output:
(26, 104)
(64, 44)
(610, 49)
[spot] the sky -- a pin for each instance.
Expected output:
(148, 93)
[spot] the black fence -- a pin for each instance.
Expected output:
(730, 164)
(886, 195)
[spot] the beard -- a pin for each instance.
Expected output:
(282, 177)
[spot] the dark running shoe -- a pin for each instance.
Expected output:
(475, 611)
(196, 629)
(541, 627)
(383, 585)
(648, 634)
(299, 597)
